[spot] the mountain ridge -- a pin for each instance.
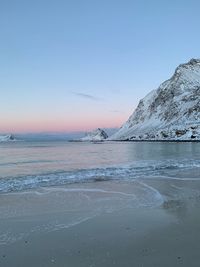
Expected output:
(171, 112)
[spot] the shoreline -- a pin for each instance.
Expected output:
(157, 141)
(138, 140)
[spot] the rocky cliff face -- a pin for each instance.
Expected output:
(172, 112)
(96, 135)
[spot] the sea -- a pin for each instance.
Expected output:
(26, 165)
(47, 186)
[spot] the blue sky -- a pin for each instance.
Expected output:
(78, 65)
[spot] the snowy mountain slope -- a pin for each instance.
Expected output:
(172, 112)
(96, 135)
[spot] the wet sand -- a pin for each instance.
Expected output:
(152, 223)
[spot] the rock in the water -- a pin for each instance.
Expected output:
(172, 112)
(96, 135)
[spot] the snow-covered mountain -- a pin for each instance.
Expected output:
(6, 138)
(172, 112)
(96, 135)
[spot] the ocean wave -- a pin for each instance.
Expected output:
(126, 172)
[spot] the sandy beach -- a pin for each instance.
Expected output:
(103, 224)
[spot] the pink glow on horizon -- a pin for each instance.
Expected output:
(48, 125)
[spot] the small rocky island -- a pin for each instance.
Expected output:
(7, 138)
(96, 135)
(172, 112)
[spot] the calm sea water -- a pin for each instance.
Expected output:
(26, 165)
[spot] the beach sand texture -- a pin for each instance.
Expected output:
(155, 222)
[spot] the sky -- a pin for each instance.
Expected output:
(73, 65)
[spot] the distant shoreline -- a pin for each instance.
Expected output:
(157, 141)
(168, 141)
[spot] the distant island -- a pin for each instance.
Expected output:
(96, 135)
(6, 138)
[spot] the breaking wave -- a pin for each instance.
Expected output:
(126, 172)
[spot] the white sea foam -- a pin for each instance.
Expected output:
(156, 194)
(124, 172)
